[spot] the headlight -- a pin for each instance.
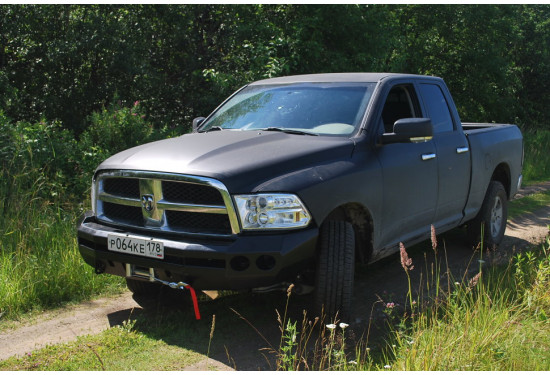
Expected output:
(271, 211)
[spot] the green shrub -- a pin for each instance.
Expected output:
(44, 159)
(112, 130)
(38, 160)
(117, 128)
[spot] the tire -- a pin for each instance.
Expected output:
(143, 288)
(154, 295)
(492, 217)
(147, 294)
(335, 271)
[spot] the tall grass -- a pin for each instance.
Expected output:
(537, 157)
(40, 266)
(496, 320)
(45, 174)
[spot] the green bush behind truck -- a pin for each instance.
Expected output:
(294, 180)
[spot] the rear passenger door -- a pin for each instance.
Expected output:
(452, 156)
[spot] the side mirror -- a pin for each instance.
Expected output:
(413, 130)
(196, 123)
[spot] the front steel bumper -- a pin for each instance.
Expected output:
(241, 262)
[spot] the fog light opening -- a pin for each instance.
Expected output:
(99, 267)
(240, 263)
(265, 262)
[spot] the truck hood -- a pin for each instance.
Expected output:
(242, 160)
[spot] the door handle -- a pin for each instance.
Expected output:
(461, 150)
(428, 156)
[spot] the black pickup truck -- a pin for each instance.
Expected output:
(294, 180)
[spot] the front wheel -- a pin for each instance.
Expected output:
(334, 271)
(492, 217)
(143, 288)
(152, 295)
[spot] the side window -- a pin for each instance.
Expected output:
(401, 102)
(437, 107)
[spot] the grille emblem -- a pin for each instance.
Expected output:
(147, 202)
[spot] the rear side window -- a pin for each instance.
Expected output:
(438, 109)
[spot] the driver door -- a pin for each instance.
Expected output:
(409, 172)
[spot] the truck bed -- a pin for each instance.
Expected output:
(490, 143)
(476, 127)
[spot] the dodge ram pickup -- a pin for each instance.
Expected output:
(294, 180)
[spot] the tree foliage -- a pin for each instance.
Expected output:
(64, 62)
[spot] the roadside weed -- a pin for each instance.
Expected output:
(495, 320)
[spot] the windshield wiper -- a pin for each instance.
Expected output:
(213, 128)
(288, 131)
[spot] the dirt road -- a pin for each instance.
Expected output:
(385, 279)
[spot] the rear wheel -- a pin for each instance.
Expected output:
(492, 217)
(335, 270)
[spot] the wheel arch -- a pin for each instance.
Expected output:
(502, 175)
(361, 220)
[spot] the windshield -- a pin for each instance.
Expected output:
(316, 108)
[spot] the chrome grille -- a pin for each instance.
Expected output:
(123, 214)
(198, 222)
(165, 202)
(190, 193)
(124, 187)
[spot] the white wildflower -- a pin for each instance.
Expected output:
(331, 326)
(387, 366)
(344, 325)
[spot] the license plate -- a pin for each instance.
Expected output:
(136, 246)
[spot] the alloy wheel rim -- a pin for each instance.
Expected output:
(496, 217)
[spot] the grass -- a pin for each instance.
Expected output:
(501, 323)
(528, 204)
(40, 266)
(497, 320)
(120, 348)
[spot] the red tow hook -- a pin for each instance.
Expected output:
(133, 271)
(182, 285)
(195, 302)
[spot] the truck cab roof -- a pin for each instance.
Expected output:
(334, 77)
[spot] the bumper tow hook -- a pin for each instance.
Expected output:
(133, 271)
(181, 285)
